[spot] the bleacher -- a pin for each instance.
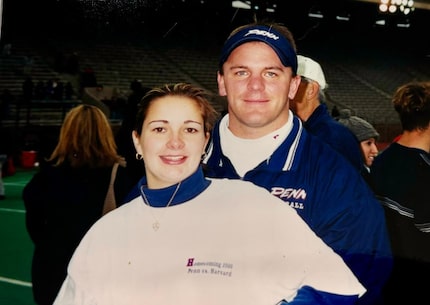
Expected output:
(361, 80)
(365, 81)
(14, 71)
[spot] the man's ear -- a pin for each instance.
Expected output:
(312, 90)
(294, 86)
(221, 86)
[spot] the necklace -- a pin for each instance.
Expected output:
(156, 223)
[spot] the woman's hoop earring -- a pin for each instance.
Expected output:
(139, 157)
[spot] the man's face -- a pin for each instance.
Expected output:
(258, 89)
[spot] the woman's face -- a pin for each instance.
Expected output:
(172, 140)
(370, 151)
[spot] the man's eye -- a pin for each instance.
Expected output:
(241, 73)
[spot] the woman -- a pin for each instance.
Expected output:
(367, 135)
(185, 239)
(68, 193)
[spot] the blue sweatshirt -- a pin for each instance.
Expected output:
(328, 193)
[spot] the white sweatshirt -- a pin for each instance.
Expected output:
(232, 244)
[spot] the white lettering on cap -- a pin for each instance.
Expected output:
(262, 33)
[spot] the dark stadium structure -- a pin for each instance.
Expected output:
(365, 53)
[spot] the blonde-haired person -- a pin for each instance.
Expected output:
(185, 239)
(366, 135)
(67, 195)
(401, 177)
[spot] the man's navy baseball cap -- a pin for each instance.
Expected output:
(266, 34)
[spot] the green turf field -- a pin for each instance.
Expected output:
(16, 247)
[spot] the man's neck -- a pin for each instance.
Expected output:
(305, 110)
(416, 139)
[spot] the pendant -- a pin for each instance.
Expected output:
(156, 225)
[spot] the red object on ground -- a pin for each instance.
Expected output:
(28, 158)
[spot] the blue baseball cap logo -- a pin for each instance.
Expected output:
(275, 40)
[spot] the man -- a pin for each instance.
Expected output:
(309, 105)
(260, 140)
(401, 177)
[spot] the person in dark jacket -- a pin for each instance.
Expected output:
(401, 177)
(309, 105)
(123, 136)
(67, 195)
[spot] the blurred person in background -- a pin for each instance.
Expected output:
(367, 136)
(123, 136)
(3, 159)
(309, 105)
(401, 177)
(69, 193)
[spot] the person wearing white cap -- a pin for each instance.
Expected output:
(309, 105)
(262, 141)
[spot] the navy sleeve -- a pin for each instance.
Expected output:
(310, 296)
